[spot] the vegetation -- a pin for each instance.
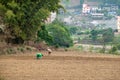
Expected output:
(73, 30)
(107, 36)
(44, 36)
(23, 18)
(113, 50)
(60, 34)
(93, 35)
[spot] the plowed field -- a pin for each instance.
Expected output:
(60, 65)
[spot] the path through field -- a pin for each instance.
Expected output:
(70, 65)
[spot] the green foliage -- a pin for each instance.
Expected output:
(118, 46)
(43, 35)
(23, 18)
(28, 48)
(94, 34)
(113, 50)
(79, 40)
(22, 49)
(116, 40)
(10, 51)
(102, 50)
(9, 15)
(2, 10)
(60, 34)
(108, 35)
(65, 49)
(91, 48)
(73, 30)
(57, 46)
(80, 47)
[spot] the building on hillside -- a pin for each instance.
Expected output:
(94, 7)
(91, 7)
(86, 9)
(118, 23)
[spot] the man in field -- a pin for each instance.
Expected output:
(39, 55)
(49, 50)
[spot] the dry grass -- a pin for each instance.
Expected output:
(60, 65)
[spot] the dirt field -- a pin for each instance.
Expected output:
(71, 65)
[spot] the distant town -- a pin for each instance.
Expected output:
(91, 14)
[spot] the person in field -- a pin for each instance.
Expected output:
(49, 50)
(39, 55)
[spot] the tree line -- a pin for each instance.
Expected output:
(25, 19)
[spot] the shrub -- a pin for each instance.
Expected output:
(57, 46)
(28, 48)
(118, 46)
(65, 49)
(91, 48)
(22, 49)
(102, 50)
(60, 35)
(11, 51)
(113, 50)
(80, 47)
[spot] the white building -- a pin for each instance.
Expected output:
(86, 9)
(91, 7)
(118, 23)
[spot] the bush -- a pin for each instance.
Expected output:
(91, 48)
(113, 50)
(80, 47)
(118, 46)
(57, 46)
(65, 49)
(28, 48)
(102, 50)
(60, 34)
(22, 50)
(10, 51)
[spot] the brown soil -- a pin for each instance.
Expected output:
(60, 65)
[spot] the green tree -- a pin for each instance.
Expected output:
(44, 35)
(73, 30)
(94, 34)
(107, 36)
(60, 34)
(23, 18)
